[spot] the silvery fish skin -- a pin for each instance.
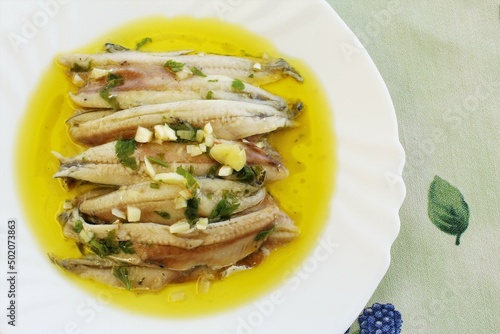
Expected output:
(220, 245)
(150, 278)
(100, 164)
(151, 84)
(258, 71)
(156, 203)
(230, 120)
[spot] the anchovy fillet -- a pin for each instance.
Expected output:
(230, 120)
(152, 84)
(100, 164)
(254, 70)
(153, 202)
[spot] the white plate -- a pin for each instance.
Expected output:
(353, 254)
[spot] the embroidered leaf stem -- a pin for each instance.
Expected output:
(447, 208)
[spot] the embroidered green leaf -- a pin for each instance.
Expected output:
(447, 208)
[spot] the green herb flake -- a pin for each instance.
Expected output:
(174, 66)
(264, 234)
(126, 247)
(212, 172)
(78, 227)
(78, 68)
(158, 161)
(198, 72)
(99, 247)
(213, 80)
(191, 212)
(122, 274)
(112, 80)
(191, 184)
(226, 206)
(447, 208)
(124, 149)
(163, 214)
(251, 76)
(143, 42)
(238, 84)
(210, 95)
(254, 175)
(154, 185)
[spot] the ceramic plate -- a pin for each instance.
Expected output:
(353, 253)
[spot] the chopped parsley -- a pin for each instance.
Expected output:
(213, 80)
(226, 206)
(154, 185)
(174, 66)
(191, 212)
(157, 161)
(264, 234)
(124, 149)
(197, 71)
(191, 184)
(163, 214)
(112, 80)
(238, 84)
(110, 245)
(122, 274)
(79, 68)
(254, 175)
(78, 227)
(210, 95)
(143, 42)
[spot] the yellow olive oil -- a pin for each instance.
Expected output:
(308, 150)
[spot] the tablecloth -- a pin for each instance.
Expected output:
(441, 63)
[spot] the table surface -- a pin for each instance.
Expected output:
(441, 63)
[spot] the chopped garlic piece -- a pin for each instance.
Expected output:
(179, 227)
(164, 132)
(194, 150)
(85, 235)
(67, 205)
(118, 213)
(209, 140)
(203, 147)
(98, 73)
(78, 81)
(200, 135)
(225, 171)
(183, 74)
(208, 129)
(170, 178)
(260, 144)
(149, 167)
(202, 224)
(186, 194)
(203, 285)
(133, 213)
(257, 67)
(143, 135)
(234, 269)
(180, 202)
(230, 155)
(177, 296)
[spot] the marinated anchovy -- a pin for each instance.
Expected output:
(101, 165)
(152, 84)
(219, 245)
(161, 203)
(230, 120)
(253, 70)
